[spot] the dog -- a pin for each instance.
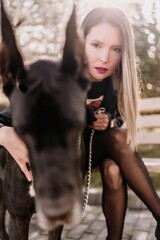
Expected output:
(47, 101)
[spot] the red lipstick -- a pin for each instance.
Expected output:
(101, 70)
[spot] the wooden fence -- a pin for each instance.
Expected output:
(150, 129)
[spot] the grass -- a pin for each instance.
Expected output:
(152, 151)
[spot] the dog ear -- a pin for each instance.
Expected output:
(11, 64)
(73, 52)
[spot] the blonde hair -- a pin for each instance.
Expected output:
(125, 77)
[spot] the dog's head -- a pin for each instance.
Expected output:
(48, 110)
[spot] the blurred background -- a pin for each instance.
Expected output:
(40, 28)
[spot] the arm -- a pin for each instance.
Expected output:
(10, 140)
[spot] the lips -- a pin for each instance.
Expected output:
(101, 70)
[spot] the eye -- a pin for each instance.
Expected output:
(96, 45)
(117, 49)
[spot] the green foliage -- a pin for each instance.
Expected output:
(147, 43)
(96, 180)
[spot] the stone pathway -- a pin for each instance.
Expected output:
(139, 225)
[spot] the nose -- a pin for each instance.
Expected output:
(104, 57)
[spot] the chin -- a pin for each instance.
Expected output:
(96, 78)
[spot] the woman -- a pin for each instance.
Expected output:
(111, 58)
(109, 46)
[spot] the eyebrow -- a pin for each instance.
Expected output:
(114, 45)
(119, 46)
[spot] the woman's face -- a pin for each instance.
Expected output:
(103, 46)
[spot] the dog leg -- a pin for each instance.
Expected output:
(56, 234)
(19, 203)
(3, 233)
(18, 228)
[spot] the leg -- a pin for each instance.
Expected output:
(19, 203)
(3, 233)
(56, 234)
(135, 172)
(18, 228)
(113, 143)
(114, 199)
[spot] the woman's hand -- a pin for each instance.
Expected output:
(102, 122)
(16, 147)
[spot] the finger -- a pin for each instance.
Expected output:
(100, 128)
(24, 169)
(29, 176)
(102, 116)
(101, 120)
(100, 124)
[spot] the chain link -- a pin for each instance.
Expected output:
(88, 177)
(89, 172)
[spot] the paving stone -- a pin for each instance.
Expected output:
(96, 226)
(101, 217)
(139, 225)
(131, 216)
(128, 231)
(77, 231)
(88, 237)
(139, 235)
(102, 235)
(143, 224)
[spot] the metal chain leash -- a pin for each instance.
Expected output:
(88, 176)
(89, 171)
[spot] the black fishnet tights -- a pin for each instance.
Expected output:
(111, 144)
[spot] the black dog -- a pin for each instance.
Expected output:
(48, 111)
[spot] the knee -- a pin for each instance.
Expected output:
(118, 135)
(118, 138)
(112, 178)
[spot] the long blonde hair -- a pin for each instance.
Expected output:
(125, 77)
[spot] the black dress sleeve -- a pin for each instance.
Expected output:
(5, 117)
(118, 121)
(89, 116)
(110, 102)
